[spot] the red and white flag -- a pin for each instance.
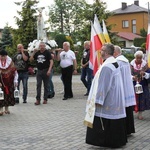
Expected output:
(95, 47)
(148, 45)
(98, 30)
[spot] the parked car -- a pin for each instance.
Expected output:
(130, 50)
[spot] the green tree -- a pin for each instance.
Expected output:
(74, 17)
(139, 41)
(6, 40)
(60, 38)
(143, 32)
(98, 8)
(26, 22)
(65, 16)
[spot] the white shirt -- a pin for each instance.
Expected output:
(66, 58)
(138, 67)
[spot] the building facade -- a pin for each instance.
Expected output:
(129, 18)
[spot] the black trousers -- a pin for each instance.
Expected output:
(114, 134)
(130, 120)
(67, 81)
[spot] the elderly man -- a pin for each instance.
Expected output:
(68, 62)
(128, 88)
(108, 96)
(44, 64)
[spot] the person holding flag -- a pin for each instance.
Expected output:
(86, 72)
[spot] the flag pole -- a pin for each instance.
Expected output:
(148, 39)
(148, 14)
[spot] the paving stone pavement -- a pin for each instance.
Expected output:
(59, 124)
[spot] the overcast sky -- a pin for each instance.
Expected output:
(8, 9)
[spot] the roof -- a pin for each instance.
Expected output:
(128, 35)
(130, 9)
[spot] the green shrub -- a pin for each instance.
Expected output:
(130, 57)
(139, 41)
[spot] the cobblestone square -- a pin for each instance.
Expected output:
(59, 124)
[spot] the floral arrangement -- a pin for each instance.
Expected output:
(50, 44)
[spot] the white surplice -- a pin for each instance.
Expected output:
(106, 90)
(127, 81)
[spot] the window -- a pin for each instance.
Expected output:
(134, 26)
(134, 22)
(125, 23)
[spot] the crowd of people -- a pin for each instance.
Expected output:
(110, 91)
(44, 62)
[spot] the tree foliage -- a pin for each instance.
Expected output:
(6, 40)
(26, 22)
(65, 16)
(143, 32)
(74, 17)
(60, 38)
(139, 41)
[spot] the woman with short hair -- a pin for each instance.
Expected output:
(139, 71)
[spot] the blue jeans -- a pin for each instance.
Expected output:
(51, 85)
(86, 77)
(23, 76)
(42, 76)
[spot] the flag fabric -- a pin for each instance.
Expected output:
(97, 40)
(95, 47)
(148, 45)
(99, 32)
(105, 33)
(98, 29)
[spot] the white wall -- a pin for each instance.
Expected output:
(127, 43)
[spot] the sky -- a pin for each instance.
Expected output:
(8, 9)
